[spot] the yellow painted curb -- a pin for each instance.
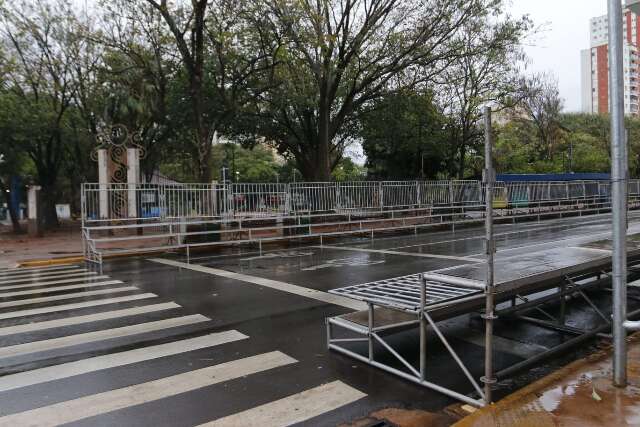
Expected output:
(75, 259)
(52, 261)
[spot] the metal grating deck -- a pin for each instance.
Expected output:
(403, 292)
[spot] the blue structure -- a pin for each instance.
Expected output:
(544, 177)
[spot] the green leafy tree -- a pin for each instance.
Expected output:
(339, 57)
(41, 40)
(221, 51)
(403, 136)
(486, 74)
(13, 159)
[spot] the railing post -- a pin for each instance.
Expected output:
(287, 199)
(451, 201)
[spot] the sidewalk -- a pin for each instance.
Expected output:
(57, 244)
(580, 394)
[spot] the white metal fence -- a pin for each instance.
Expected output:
(123, 218)
(268, 200)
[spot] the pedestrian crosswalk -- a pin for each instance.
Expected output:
(134, 333)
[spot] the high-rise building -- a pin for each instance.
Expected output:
(595, 65)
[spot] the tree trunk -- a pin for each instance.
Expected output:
(48, 200)
(323, 168)
(462, 160)
(203, 143)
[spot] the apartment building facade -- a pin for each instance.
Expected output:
(595, 66)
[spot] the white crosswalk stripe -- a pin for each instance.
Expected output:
(125, 331)
(35, 275)
(58, 288)
(14, 280)
(66, 296)
(98, 363)
(54, 282)
(78, 320)
(293, 409)
(102, 403)
(36, 270)
(74, 306)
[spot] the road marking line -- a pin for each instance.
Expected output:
(19, 273)
(268, 283)
(106, 334)
(59, 288)
(74, 306)
(77, 320)
(390, 252)
(54, 282)
(107, 361)
(36, 269)
(586, 248)
(48, 277)
(293, 409)
(126, 397)
(66, 296)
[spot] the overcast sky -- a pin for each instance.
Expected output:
(558, 48)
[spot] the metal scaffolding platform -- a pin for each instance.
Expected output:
(422, 300)
(403, 293)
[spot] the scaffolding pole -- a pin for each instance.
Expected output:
(618, 191)
(489, 180)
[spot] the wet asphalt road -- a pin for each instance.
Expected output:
(264, 320)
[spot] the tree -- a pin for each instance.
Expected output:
(221, 52)
(340, 56)
(139, 80)
(348, 170)
(42, 42)
(540, 104)
(486, 74)
(402, 136)
(13, 159)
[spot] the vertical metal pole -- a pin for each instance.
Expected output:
(563, 304)
(423, 328)
(489, 316)
(618, 190)
(370, 336)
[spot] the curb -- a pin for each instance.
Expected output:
(76, 259)
(51, 261)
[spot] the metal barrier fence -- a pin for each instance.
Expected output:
(268, 200)
(122, 218)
